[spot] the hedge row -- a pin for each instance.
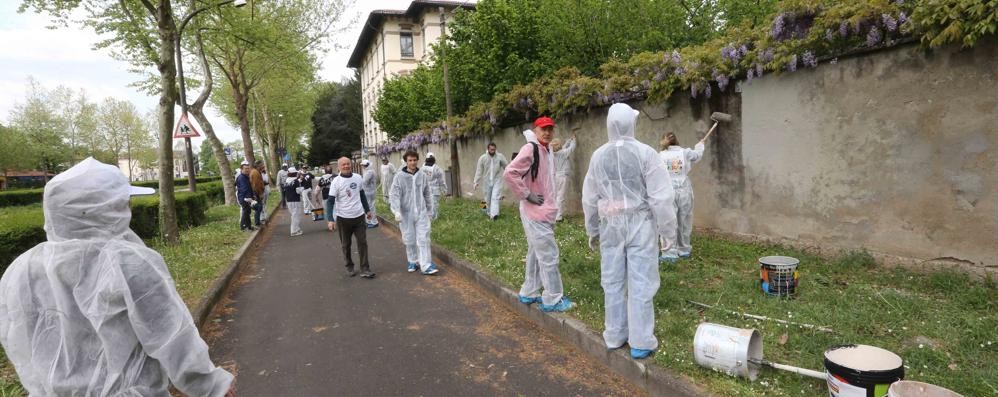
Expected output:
(12, 198)
(32, 196)
(23, 227)
(178, 181)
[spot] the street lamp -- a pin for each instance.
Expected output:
(191, 183)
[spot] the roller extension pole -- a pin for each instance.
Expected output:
(800, 371)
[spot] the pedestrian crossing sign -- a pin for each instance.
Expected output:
(185, 129)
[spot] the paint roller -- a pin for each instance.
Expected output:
(717, 117)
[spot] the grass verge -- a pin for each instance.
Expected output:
(205, 251)
(942, 323)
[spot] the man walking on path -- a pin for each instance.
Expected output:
(246, 196)
(387, 176)
(292, 192)
(282, 175)
(531, 178)
(563, 170)
(437, 183)
(348, 201)
(370, 189)
(628, 202)
(488, 174)
(411, 203)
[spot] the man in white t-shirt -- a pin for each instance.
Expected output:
(350, 204)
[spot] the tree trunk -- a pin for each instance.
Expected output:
(166, 25)
(217, 149)
(242, 102)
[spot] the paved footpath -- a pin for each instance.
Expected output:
(296, 325)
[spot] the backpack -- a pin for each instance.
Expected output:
(535, 162)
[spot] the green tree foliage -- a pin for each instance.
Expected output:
(337, 122)
(410, 100)
(209, 165)
(505, 43)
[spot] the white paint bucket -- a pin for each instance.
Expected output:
(910, 388)
(728, 349)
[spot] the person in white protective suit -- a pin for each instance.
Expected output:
(387, 175)
(411, 204)
(679, 161)
(488, 175)
(370, 185)
(563, 170)
(293, 196)
(628, 201)
(438, 184)
(93, 311)
(531, 178)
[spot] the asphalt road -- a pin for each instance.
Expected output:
(296, 325)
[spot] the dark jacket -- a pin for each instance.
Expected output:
(244, 188)
(290, 191)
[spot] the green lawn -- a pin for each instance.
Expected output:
(942, 323)
(205, 252)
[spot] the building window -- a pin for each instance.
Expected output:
(405, 39)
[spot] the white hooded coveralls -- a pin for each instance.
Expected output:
(411, 203)
(387, 174)
(627, 199)
(438, 185)
(93, 311)
(543, 256)
(488, 175)
(563, 171)
(679, 161)
(371, 185)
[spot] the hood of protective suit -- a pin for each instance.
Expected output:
(530, 136)
(620, 121)
(88, 202)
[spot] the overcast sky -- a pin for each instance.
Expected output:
(65, 57)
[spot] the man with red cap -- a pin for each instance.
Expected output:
(531, 178)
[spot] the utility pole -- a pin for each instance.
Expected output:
(455, 164)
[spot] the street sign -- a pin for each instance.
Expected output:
(185, 129)
(228, 152)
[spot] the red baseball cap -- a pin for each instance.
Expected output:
(543, 121)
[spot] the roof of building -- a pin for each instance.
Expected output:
(377, 17)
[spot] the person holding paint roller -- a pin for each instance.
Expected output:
(679, 161)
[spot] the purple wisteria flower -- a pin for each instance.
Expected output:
(767, 56)
(858, 28)
(759, 69)
(829, 35)
(873, 37)
(809, 59)
(899, 2)
(779, 25)
(889, 22)
(792, 63)
(706, 91)
(680, 71)
(844, 29)
(902, 19)
(749, 75)
(743, 51)
(676, 59)
(659, 76)
(722, 79)
(693, 90)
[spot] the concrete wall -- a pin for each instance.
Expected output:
(890, 151)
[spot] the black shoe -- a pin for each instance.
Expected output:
(351, 272)
(495, 217)
(367, 274)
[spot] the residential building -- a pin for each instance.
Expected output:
(392, 43)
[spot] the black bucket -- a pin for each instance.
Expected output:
(861, 370)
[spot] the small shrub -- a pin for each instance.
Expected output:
(20, 229)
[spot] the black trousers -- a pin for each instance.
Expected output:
(349, 227)
(244, 218)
